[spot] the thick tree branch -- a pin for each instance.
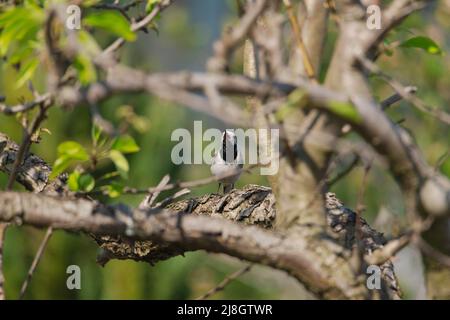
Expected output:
(289, 252)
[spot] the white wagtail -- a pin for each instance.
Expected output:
(227, 160)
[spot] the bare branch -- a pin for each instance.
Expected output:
(229, 42)
(433, 253)
(159, 7)
(396, 97)
(406, 92)
(225, 282)
(151, 197)
(187, 232)
(299, 40)
(9, 110)
(36, 260)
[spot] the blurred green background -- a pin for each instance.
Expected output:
(186, 32)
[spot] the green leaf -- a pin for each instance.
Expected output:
(150, 5)
(424, 43)
(345, 110)
(120, 162)
(10, 33)
(90, 46)
(115, 189)
(109, 175)
(20, 54)
(20, 25)
(85, 69)
(96, 132)
(27, 71)
(73, 150)
(111, 21)
(68, 152)
(125, 144)
(72, 182)
(86, 182)
(60, 165)
(80, 182)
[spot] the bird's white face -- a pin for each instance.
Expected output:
(229, 137)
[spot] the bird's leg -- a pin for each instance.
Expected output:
(218, 189)
(227, 187)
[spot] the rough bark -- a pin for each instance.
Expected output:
(321, 267)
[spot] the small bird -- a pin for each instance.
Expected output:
(227, 159)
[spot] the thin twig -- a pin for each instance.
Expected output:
(151, 197)
(97, 119)
(224, 48)
(442, 160)
(137, 26)
(165, 202)
(391, 248)
(433, 253)
(184, 184)
(25, 145)
(36, 260)
(344, 172)
(9, 110)
(396, 97)
(382, 255)
(121, 8)
(403, 92)
(298, 38)
(225, 282)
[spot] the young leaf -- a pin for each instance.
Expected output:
(90, 46)
(85, 69)
(73, 150)
(27, 71)
(96, 132)
(120, 162)
(108, 175)
(150, 5)
(20, 54)
(111, 21)
(114, 190)
(80, 182)
(424, 43)
(60, 165)
(72, 182)
(86, 182)
(20, 25)
(125, 144)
